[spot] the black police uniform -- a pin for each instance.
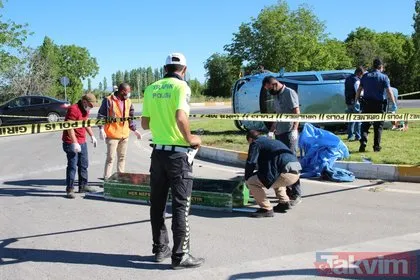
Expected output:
(374, 85)
(171, 168)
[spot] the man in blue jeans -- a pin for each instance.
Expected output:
(74, 144)
(350, 88)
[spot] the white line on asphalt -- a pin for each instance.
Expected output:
(361, 187)
(36, 172)
(402, 191)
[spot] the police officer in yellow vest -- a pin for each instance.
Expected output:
(165, 113)
(117, 105)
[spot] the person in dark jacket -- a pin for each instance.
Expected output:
(350, 88)
(278, 168)
(374, 84)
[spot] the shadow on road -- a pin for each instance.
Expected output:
(18, 255)
(77, 230)
(36, 187)
(346, 189)
(10, 256)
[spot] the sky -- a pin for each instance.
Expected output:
(128, 34)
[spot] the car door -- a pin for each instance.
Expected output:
(17, 107)
(37, 108)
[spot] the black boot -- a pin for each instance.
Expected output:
(187, 261)
(282, 207)
(162, 253)
(262, 213)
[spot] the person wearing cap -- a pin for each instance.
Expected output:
(117, 105)
(278, 167)
(74, 145)
(286, 101)
(374, 84)
(165, 112)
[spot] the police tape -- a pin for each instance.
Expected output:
(36, 128)
(23, 117)
(408, 94)
(315, 118)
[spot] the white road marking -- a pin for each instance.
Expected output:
(36, 172)
(343, 185)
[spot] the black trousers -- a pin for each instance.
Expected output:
(295, 189)
(170, 170)
(372, 106)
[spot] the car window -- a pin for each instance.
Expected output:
(267, 100)
(19, 102)
(47, 101)
(335, 76)
(14, 103)
(37, 100)
(303, 78)
(25, 101)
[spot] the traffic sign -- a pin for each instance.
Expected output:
(64, 81)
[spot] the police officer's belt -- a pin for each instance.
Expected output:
(170, 148)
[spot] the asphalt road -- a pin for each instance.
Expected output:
(194, 110)
(45, 236)
(413, 103)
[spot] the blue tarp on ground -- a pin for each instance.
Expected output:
(319, 150)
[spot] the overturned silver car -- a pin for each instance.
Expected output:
(320, 92)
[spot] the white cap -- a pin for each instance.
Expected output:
(176, 58)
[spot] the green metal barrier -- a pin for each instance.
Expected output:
(207, 193)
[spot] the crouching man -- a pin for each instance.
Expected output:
(278, 168)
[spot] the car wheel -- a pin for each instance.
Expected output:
(53, 117)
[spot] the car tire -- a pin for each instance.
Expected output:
(53, 117)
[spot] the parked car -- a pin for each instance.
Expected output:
(320, 92)
(47, 108)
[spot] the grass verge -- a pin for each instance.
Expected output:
(195, 99)
(398, 147)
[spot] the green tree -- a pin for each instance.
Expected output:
(362, 46)
(31, 76)
(50, 53)
(414, 65)
(133, 81)
(114, 79)
(333, 55)
(196, 87)
(149, 76)
(126, 77)
(12, 40)
(119, 78)
(156, 75)
(76, 64)
(100, 87)
(105, 84)
(221, 73)
(278, 38)
(161, 72)
(396, 50)
(89, 85)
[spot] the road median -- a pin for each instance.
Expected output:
(362, 170)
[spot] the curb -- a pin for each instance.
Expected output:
(362, 170)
